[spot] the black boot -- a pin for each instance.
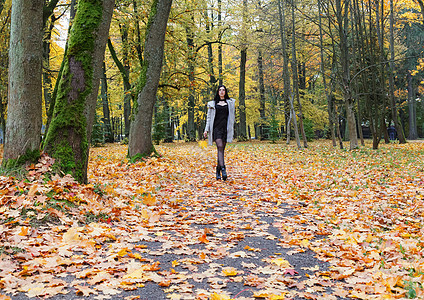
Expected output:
(224, 173)
(218, 172)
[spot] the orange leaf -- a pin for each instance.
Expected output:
(24, 231)
(149, 200)
(203, 239)
(165, 283)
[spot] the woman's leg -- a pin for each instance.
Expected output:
(220, 146)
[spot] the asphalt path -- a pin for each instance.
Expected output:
(249, 232)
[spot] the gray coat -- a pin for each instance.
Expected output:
(230, 124)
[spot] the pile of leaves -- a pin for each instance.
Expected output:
(320, 223)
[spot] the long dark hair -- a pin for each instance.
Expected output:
(217, 98)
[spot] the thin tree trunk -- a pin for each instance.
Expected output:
(242, 136)
(393, 108)
(359, 61)
(140, 142)
(286, 74)
(296, 77)
(242, 97)
(220, 70)
(23, 124)
(212, 78)
(69, 133)
(47, 75)
(138, 32)
(339, 134)
(191, 131)
(413, 132)
(261, 95)
(105, 105)
(294, 120)
(324, 79)
(47, 82)
(124, 69)
(343, 22)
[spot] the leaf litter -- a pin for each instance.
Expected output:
(355, 218)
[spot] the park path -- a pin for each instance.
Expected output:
(166, 229)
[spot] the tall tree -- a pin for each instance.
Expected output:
(69, 133)
(393, 107)
(242, 136)
(261, 94)
(342, 16)
(220, 70)
(288, 96)
(328, 96)
(296, 76)
(191, 60)
(105, 105)
(412, 108)
(49, 21)
(23, 125)
(140, 142)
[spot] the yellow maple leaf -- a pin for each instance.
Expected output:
(229, 271)
(203, 144)
(277, 297)
(24, 231)
(282, 263)
(136, 274)
(175, 263)
(123, 252)
(216, 296)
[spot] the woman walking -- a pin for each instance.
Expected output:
(220, 126)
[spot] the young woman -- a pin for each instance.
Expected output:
(220, 126)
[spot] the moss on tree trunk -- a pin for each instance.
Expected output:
(69, 130)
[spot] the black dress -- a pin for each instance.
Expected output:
(220, 122)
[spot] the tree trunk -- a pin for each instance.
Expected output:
(191, 131)
(69, 133)
(343, 22)
(140, 142)
(261, 95)
(339, 134)
(47, 82)
(24, 116)
(393, 108)
(330, 104)
(242, 135)
(359, 59)
(242, 97)
(286, 74)
(47, 75)
(220, 71)
(124, 69)
(212, 78)
(105, 105)
(413, 132)
(62, 65)
(296, 77)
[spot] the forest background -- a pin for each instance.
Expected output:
(338, 66)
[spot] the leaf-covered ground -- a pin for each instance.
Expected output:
(320, 223)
